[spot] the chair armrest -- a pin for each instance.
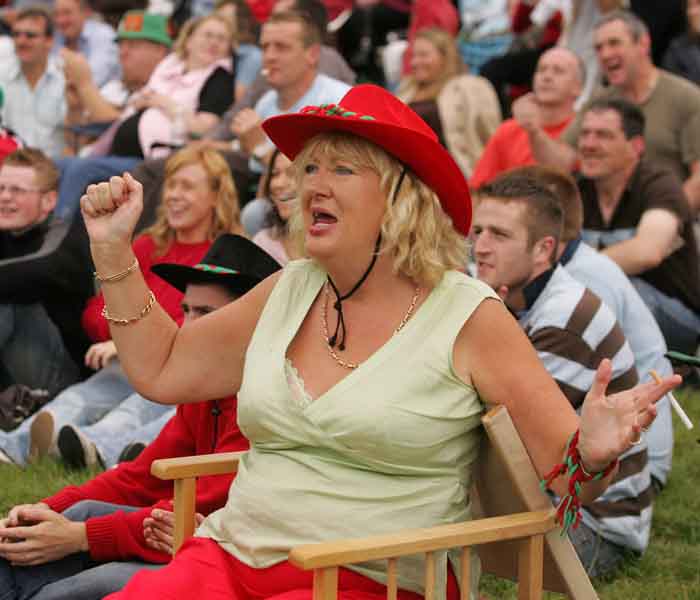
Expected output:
(184, 471)
(481, 531)
(186, 467)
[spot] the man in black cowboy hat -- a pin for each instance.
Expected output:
(123, 514)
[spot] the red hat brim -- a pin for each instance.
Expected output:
(425, 156)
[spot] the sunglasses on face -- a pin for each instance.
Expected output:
(30, 35)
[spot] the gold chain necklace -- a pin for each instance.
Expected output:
(333, 353)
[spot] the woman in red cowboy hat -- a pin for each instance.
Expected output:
(360, 371)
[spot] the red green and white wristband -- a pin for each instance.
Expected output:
(569, 509)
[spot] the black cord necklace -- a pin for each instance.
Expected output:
(338, 304)
(340, 328)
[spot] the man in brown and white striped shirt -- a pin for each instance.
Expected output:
(516, 229)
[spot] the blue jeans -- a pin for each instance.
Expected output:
(81, 404)
(32, 350)
(598, 555)
(73, 577)
(78, 173)
(136, 419)
(678, 323)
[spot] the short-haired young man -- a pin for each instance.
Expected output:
(606, 280)
(46, 275)
(516, 228)
(291, 44)
(636, 213)
(119, 522)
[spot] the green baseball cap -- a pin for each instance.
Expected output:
(140, 25)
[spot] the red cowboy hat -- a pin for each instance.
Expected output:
(371, 112)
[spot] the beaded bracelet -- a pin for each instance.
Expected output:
(118, 276)
(144, 311)
(569, 509)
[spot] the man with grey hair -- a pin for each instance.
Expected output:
(670, 104)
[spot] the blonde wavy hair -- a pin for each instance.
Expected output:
(453, 65)
(180, 45)
(415, 231)
(226, 217)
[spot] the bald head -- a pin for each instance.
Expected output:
(559, 77)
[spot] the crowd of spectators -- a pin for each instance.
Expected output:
(576, 127)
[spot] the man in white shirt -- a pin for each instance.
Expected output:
(34, 86)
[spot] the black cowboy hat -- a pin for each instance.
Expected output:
(232, 261)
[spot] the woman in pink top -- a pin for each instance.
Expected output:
(279, 188)
(186, 94)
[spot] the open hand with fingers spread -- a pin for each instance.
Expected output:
(611, 424)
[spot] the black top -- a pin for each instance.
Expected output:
(216, 96)
(649, 187)
(50, 264)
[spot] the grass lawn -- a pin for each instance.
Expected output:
(670, 569)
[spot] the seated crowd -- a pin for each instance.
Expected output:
(573, 132)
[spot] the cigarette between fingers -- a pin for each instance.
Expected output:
(674, 403)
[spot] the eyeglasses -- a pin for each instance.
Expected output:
(30, 35)
(15, 190)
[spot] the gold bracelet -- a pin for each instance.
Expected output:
(118, 276)
(144, 311)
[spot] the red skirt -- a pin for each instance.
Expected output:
(202, 570)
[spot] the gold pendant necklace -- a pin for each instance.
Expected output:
(324, 318)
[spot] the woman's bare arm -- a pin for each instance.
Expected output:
(201, 361)
(503, 366)
(494, 354)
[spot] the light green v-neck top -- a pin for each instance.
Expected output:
(387, 448)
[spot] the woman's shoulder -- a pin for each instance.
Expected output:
(469, 84)
(304, 267)
(299, 275)
(459, 283)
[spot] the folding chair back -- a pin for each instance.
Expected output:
(506, 483)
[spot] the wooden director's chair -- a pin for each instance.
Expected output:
(513, 526)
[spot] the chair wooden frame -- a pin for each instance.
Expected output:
(513, 528)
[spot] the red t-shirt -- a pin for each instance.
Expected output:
(168, 297)
(509, 147)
